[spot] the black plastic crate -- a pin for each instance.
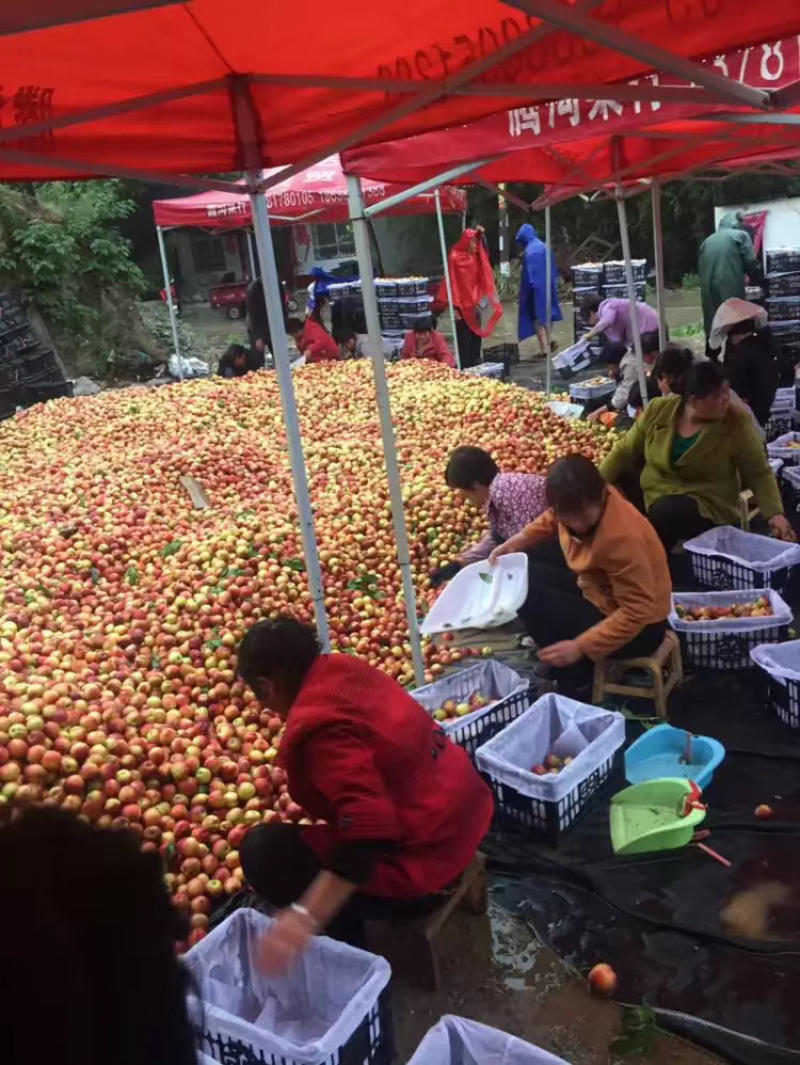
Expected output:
(614, 271)
(716, 573)
(783, 308)
(372, 1043)
(729, 650)
(782, 260)
(391, 321)
(785, 285)
(778, 424)
(474, 733)
(412, 286)
(784, 700)
(506, 353)
(588, 276)
(409, 321)
(550, 820)
(620, 291)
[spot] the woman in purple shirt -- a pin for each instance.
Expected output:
(511, 501)
(612, 317)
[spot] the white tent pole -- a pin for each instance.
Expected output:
(283, 370)
(250, 255)
(548, 301)
(658, 244)
(361, 235)
(162, 251)
(626, 255)
(447, 280)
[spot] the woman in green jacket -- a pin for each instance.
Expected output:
(699, 453)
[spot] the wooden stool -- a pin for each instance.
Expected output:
(747, 508)
(410, 947)
(665, 667)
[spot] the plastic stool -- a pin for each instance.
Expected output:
(665, 667)
(410, 947)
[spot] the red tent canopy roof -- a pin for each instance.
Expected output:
(573, 142)
(208, 86)
(315, 195)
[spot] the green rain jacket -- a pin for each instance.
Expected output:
(726, 257)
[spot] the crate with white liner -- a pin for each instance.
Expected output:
(458, 1041)
(713, 641)
(726, 557)
(592, 389)
(501, 692)
(785, 447)
(332, 1006)
(781, 664)
(548, 768)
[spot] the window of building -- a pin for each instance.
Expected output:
(208, 253)
(334, 241)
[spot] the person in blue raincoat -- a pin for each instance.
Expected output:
(533, 288)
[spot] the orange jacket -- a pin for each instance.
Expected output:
(622, 570)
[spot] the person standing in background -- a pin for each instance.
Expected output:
(475, 302)
(533, 288)
(726, 258)
(257, 325)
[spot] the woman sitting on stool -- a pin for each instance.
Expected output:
(699, 452)
(404, 808)
(613, 595)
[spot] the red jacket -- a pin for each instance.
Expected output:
(361, 754)
(437, 349)
(316, 343)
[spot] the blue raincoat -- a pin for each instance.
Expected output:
(533, 283)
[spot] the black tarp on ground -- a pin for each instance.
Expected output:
(731, 984)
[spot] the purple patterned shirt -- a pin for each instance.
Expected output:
(515, 500)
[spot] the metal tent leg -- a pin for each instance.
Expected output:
(250, 255)
(280, 353)
(626, 255)
(548, 366)
(447, 281)
(162, 251)
(361, 235)
(658, 244)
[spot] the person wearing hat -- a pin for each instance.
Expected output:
(749, 357)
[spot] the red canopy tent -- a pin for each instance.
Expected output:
(200, 87)
(572, 141)
(207, 87)
(315, 195)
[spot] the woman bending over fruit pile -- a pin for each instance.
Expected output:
(511, 501)
(403, 808)
(607, 592)
(699, 452)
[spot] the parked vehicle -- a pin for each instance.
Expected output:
(231, 298)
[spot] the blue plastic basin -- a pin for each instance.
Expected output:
(660, 752)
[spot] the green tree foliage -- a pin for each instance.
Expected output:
(60, 245)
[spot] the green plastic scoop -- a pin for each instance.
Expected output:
(655, 815)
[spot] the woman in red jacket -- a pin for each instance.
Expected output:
(313, 340)
(425, 342)
(404, 808)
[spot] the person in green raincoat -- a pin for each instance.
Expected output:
(726, 258)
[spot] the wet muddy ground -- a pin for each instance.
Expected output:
(496, 971)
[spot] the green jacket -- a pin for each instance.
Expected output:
(725, 258)
(727, 457)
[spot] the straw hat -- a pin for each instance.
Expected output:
(729, 313)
